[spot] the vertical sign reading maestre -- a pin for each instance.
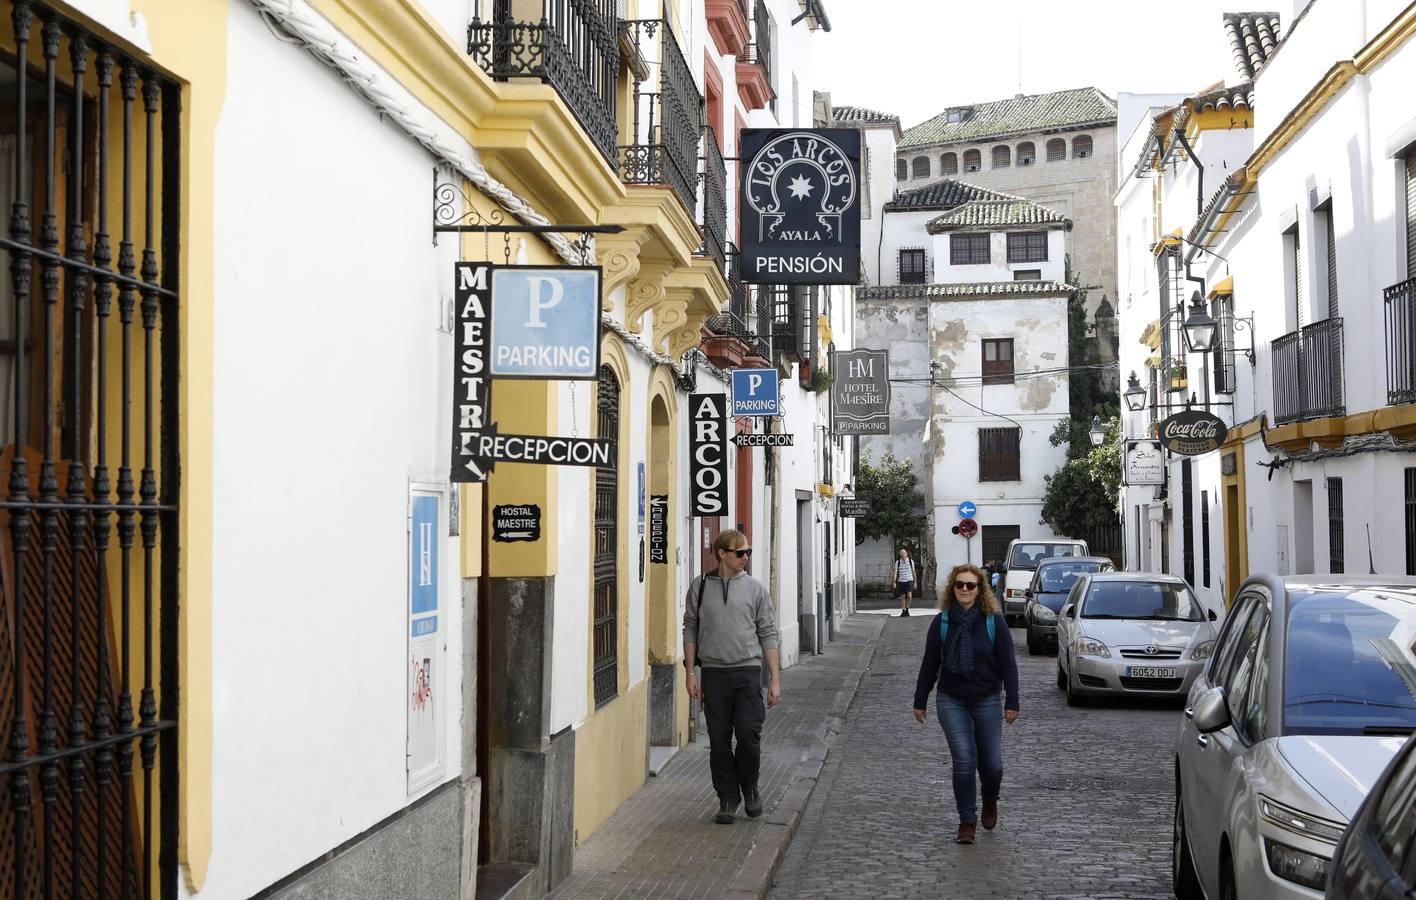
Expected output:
(471, 388)
(860, 393)
(708, 453)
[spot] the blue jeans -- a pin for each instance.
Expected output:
(974, 730)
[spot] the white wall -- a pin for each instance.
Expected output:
(1054, 268)
(881, 144)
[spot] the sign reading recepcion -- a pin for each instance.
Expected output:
(659, 528)
(800, 206)
(1144, 464)
(545, 322)
(708, 453)
(860, 393)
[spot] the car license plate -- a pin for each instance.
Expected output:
(1149, 672)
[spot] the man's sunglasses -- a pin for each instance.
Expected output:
(741, 554)
(966, 585)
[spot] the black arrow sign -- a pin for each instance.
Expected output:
(491, 447)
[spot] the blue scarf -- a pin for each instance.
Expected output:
(961, 660)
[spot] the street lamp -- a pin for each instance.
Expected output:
(1098, 432)
(1135, 394)
(1200, 327)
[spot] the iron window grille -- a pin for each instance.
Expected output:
(999, 457)
(1056, 150)
(1027, 274)
(606, 628)
(949, 164)
(1027, 247)
(1205, 538)
(1152, 402)
(996, 539)
(1410, 521)
(88, 634)
(786, 304)
(1336, 553)
(573, 47)
(1081, 147)
(1027, 153)
(762, 303)
(1331, 234)
(998, 361)
(1225, 373)
(667, 121)
(1411, 214)
(713, 208)
(902, 170)
(973, 160)
(759, 52)
(1187, 513)
(1002, 156)
(1307, 373)
(921, 167)
(912, 266)
(1400, 302)
(969, 250)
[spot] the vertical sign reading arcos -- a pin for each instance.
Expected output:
(860, 393)
(708, 453)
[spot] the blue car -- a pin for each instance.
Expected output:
(1047, 592)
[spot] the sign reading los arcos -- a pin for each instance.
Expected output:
(860, 393)
(800, 208)
(708, 453)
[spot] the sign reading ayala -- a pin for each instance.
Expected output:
(1193, 432)
(800, 215)
(860, 394)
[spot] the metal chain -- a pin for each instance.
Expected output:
(574, 427)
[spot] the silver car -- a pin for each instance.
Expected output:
(1124, 633)
(1309, 694)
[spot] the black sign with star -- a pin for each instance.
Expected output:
(800, 208)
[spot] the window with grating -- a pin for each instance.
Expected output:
(1205, 537)
(1027, 153)
(1187, 519)
(1336, 555)
(1222, 309)
(996, 539)
(1002, 156)
(912, 266)
(999, 457)
(921, 167)
(1411, 214)
(1056, 150)
(902, 169)
(1331, 235)
(949, 164)
(1027, 274)
(1081, 147)
(606, 625)
(973, 160)
(998, 361)
(1027, 246)
(1411, 521)
(969, 250)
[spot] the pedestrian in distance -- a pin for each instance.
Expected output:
(906, 577)
(730, 630)
(968, 655)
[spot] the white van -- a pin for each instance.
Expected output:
(1023, 557)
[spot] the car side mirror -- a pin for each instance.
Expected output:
(1211, 711)
(1214, 616)
(1069, 611)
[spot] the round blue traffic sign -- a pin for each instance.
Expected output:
(967, 510)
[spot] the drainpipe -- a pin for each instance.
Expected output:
(1194, 158)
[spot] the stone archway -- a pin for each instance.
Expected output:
(661, 599)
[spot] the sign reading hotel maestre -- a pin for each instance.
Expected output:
(800, 208)
(1193, 432)
(1145, 463)
(860, 393)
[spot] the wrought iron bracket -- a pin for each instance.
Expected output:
(1240, 325)
(452, 217)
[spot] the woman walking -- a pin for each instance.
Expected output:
(968, 655)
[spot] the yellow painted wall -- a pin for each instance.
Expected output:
(610, 758)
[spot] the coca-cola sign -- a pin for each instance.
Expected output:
(1193, 432)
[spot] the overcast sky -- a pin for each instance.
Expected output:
(914, 58)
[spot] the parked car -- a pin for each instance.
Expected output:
(1047, 593)
(1023, 557)
(1307, 697)
(1376, 858)
(1131, 633)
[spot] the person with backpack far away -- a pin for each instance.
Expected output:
(906, 578)
(968, 654)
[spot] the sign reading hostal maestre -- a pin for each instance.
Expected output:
(800, 208)
(860, 392)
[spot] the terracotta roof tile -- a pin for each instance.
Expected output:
(994, 290)
(997, 214)
(1016, 115)
(859, 115)
(1253, 37)
(943, 195)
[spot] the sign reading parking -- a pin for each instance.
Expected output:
(755, 393)
(967, 510)
(545, 322)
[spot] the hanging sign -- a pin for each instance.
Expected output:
(1192, 432)
(545, 322)
(512, 523)
(860, 392)
(708, 454)
(541, 450)
(765, 440)
(800, 209)
(755, 393)
(1145, 463)
(471, 388)
(853, 507)
(659, 528)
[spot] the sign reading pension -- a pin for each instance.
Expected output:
(860, 393)
(545, 322)
(800, 208)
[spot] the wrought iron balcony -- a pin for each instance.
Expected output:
(748, 319)
(759, 52)
(668, 113)
(790, 305)
(1307, 373)
(574, 48)
(1401, 342)
(713, 204)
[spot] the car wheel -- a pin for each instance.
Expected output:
(1183, 879)
(1034, 646)
(1228, 890)
(1074, 698)
(1061, 676)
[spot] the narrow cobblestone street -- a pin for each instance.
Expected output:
(1085, 809)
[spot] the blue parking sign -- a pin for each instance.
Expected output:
(545, 322)
(755, 393)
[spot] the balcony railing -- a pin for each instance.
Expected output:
(760, 50)
(1401, 342)
(574, 48)
(748, 318)
(787, 303)
(713, 204)
(668, 113)
(1307, 373)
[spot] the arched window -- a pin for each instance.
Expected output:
(1002, 156)
(902, 169)
(606, 626)
(1081, 147)
(949, 164)
(921, 167)
(973, 160)
(1056, 150)
(1027, 153)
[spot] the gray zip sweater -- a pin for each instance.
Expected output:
(735, 625)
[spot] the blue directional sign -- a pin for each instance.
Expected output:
(967, 510)
(545, 322)
(755, 393)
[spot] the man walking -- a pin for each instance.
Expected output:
(906, 577)
(730, 629)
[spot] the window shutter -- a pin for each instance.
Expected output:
(1411, 214)
(1331, 265)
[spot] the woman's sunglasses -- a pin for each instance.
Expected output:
(966, 585)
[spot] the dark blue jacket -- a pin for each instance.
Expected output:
(995, 664)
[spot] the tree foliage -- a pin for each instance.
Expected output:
(896, 502)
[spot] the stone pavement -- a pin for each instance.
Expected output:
(1085, 809)
(663, 842)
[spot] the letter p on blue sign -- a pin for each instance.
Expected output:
(755, 393)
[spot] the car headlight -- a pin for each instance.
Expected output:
(1203, 651)
(1296, 865)
(1043, 614)
(1014, 594)
(1298, 822)
(1092, 647)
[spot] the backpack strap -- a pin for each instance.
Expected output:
(991, 623)
(702, 579)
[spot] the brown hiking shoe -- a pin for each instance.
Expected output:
(990, 814)
(967, 830)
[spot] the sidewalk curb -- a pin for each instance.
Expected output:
(756, 874)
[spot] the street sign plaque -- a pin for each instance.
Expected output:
(545, 322)
(755, 393)
(967, 509)
(853, 507)
(968, 528)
